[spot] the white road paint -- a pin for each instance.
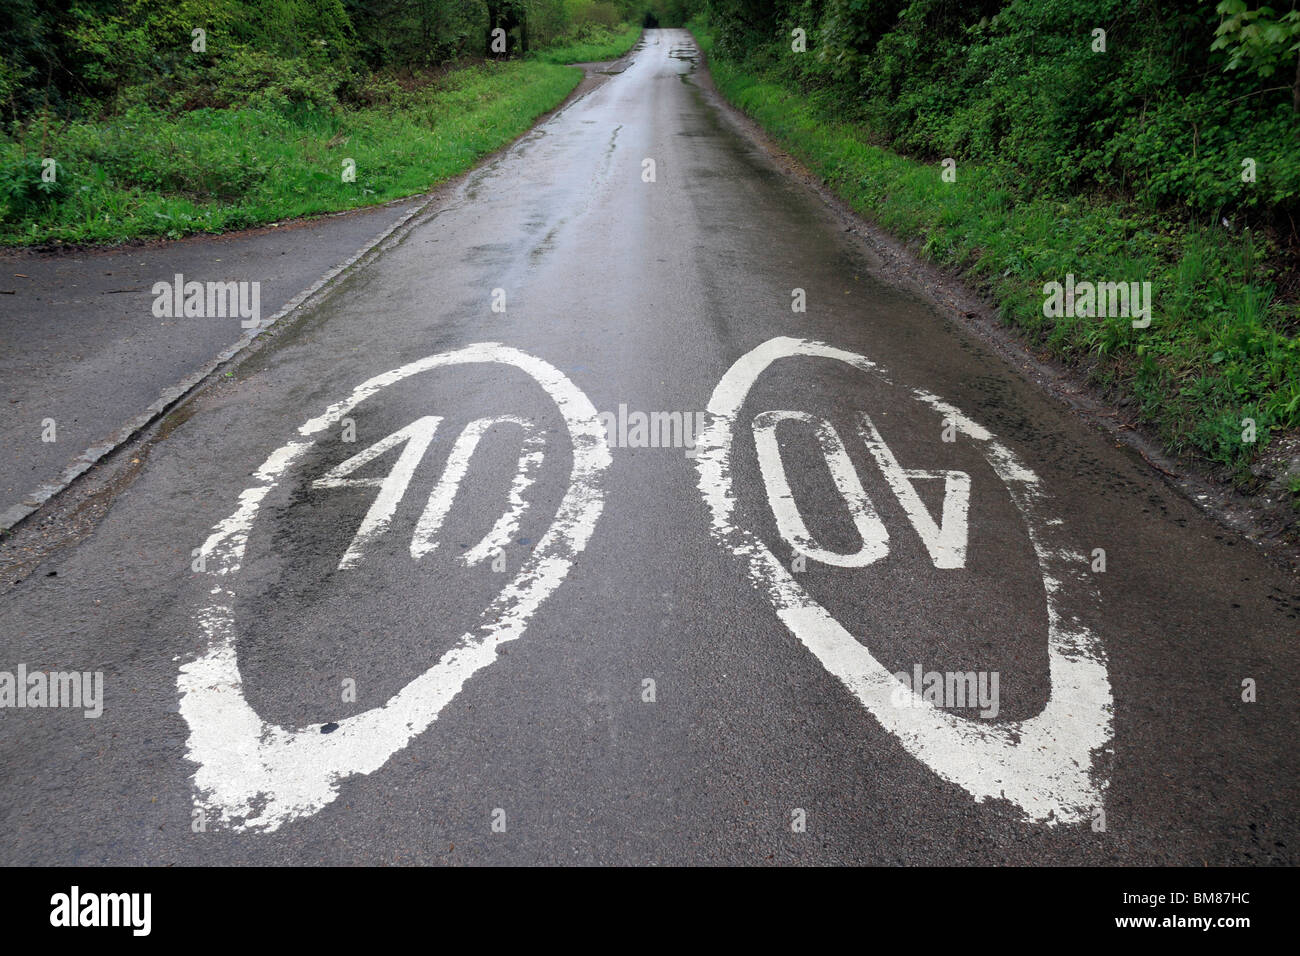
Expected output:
(946, 540)
(444, 493)
(253, 775)
(416, 437)
(875, 539)
(1045, 765)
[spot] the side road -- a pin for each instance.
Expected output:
(84, 362)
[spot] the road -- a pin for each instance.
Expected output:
(477, 633)
(81, 347)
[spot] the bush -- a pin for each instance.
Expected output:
(1157, 116)
(23, 187)
(261, 80)
(588, 15)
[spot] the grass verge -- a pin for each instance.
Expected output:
(146, 173)
(605, 46)
(1222, 345)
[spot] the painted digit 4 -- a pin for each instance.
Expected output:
(417, 436)
(946, 541)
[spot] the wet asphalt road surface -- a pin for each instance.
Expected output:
(79, 343)
(441, 650)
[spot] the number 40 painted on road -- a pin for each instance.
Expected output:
(416, 437)
(945, 540)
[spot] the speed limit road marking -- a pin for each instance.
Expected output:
(254, 775)
(1046, 765)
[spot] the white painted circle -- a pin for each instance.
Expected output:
(255, 775)
(1045, 765)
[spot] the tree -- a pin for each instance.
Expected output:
(506, 15)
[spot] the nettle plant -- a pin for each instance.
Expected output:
(26, 184)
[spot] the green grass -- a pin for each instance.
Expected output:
(1221, 347)
(147, 173)
(606, 46)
